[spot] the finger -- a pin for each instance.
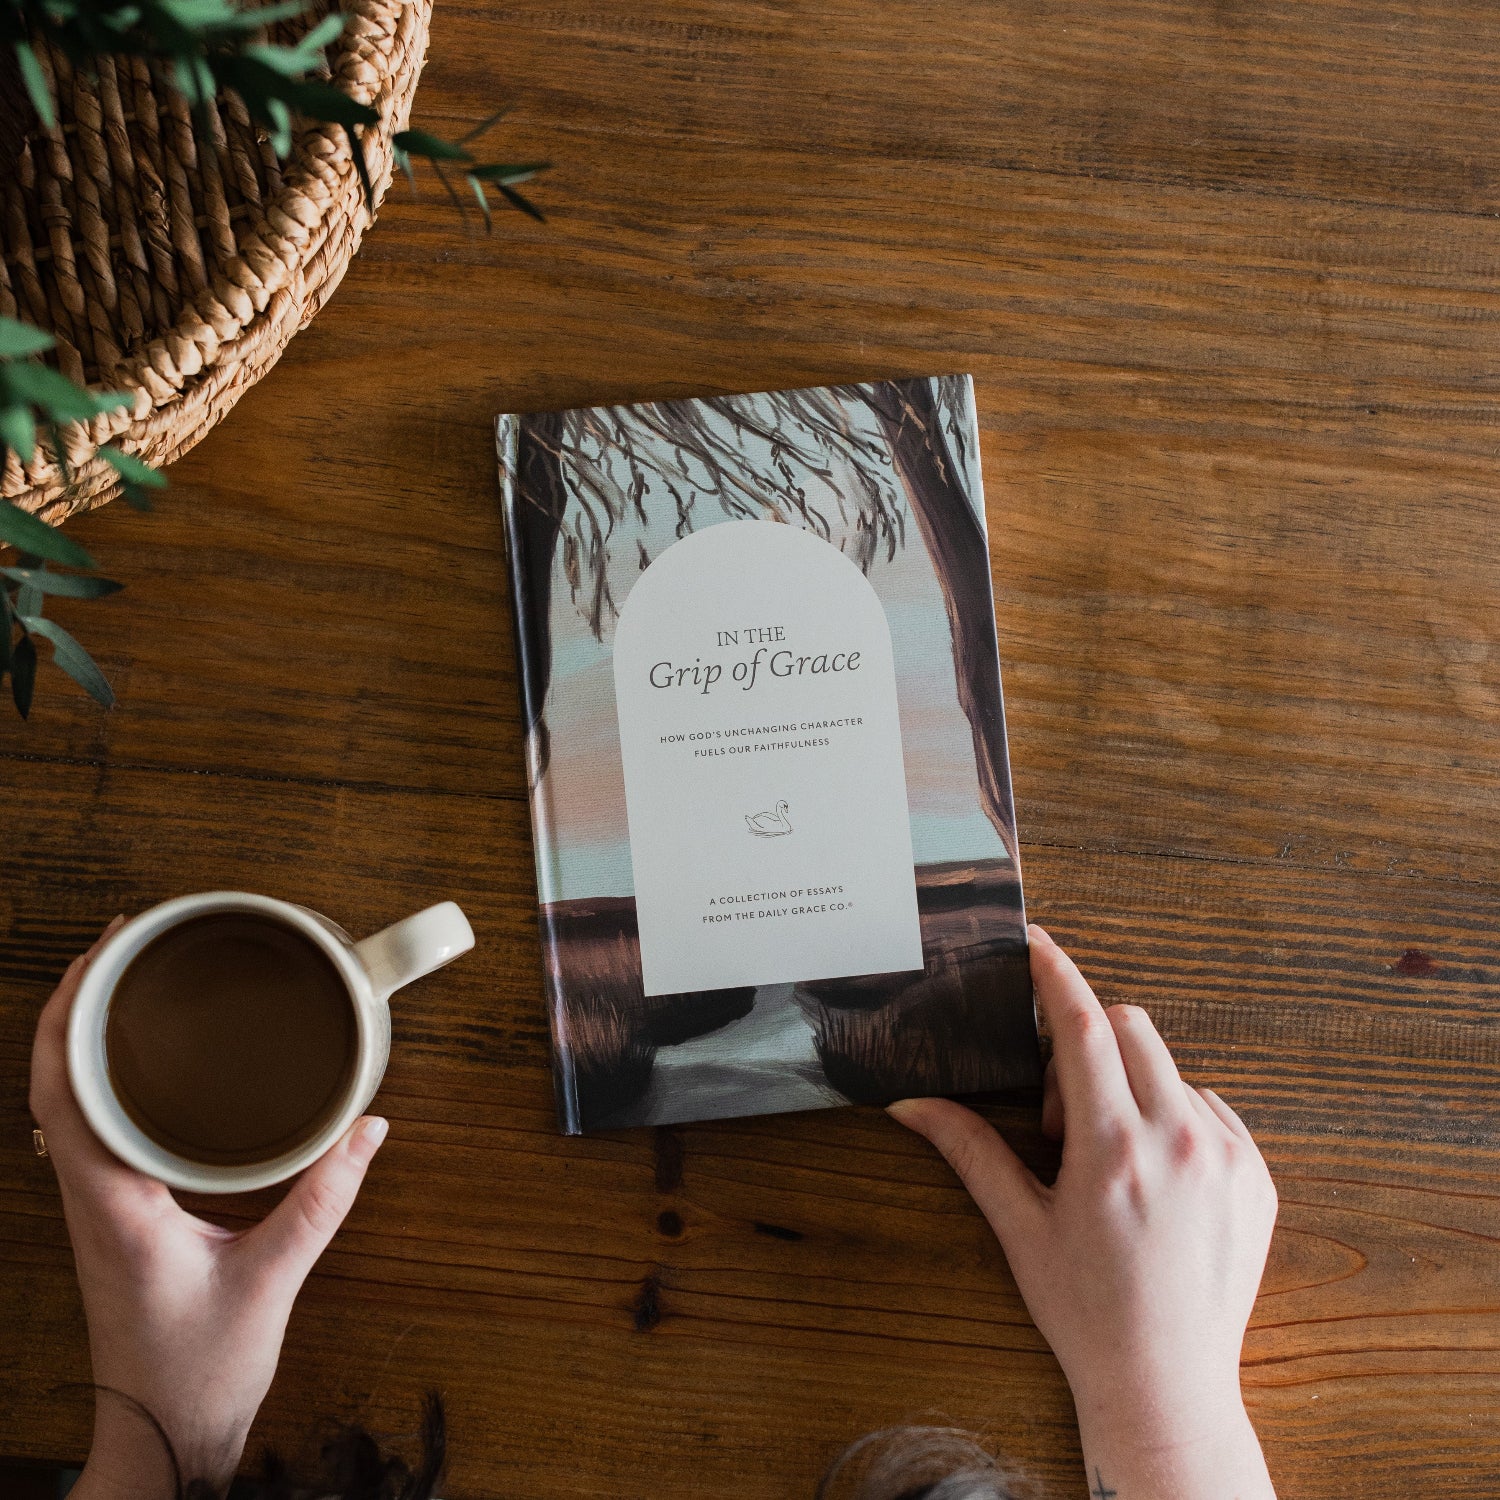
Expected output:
(1052, 1105)
(75, 1150)
(50, 1045)
(1227, 1115)
(1199, 1105)
(1090, 1073)
(998, 1181)
(1154, 1079)
(297, 1231)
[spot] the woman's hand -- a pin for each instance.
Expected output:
(1140, 1266)
(184, 1317)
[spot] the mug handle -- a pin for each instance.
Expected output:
(408, 949)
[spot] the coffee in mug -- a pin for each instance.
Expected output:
(230, 1038)
(223, 1042)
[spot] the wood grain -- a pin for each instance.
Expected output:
(1182, 410)
(1227, 280)
(537, 1279)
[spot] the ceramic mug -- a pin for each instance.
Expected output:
(371, 970)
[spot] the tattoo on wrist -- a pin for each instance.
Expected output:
(1101, 1491)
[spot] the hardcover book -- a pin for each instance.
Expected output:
(775, 844)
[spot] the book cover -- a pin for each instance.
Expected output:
(775, 843)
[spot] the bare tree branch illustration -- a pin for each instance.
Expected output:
(540, 501)
(912, 416)
(583, 474)
(693, 453)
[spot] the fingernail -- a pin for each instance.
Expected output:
(84, 959)
(1036, 930)
(368, 1137)
(900, 1109)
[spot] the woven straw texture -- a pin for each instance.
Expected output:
(174, 264)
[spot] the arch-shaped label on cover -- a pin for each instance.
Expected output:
(764, 779)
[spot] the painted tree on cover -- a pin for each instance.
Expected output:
(611, 460)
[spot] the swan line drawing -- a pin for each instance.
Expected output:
(769, 825)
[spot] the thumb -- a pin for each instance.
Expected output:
(296, 1232)
(998, 1181)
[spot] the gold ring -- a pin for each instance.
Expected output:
(39, 1143)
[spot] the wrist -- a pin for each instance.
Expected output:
(131, 1458)
(1155, 1412)
(1165, 1449)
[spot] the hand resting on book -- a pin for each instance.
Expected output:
(1140, 1264)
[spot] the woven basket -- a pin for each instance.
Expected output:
(175, 265)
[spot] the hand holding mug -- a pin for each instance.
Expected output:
(223, 1042)
(184, 1317)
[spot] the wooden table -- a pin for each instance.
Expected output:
(1228, 277)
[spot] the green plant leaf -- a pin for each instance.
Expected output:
(200, 15)
(5, 633)
(357, 150)
(324, 34)
(505, 173)
(18, 339)
(41, 99)
(185, 77)
(515, 200)
(60, 451)
(136, 476)
(23, 674)
(235, 19)
(484, 202)
(73, 659)
(420, 143)
(285, 10)
(68, 585)
(483, 126)
(280, 120)
(28, 534)
(18, 431)
(286, 61)
(55, 394)
(323, 102)
(308, 54)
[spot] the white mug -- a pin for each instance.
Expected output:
(371, 971)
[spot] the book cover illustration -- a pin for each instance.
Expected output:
(775, 843)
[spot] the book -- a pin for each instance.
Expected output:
(776, 850)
